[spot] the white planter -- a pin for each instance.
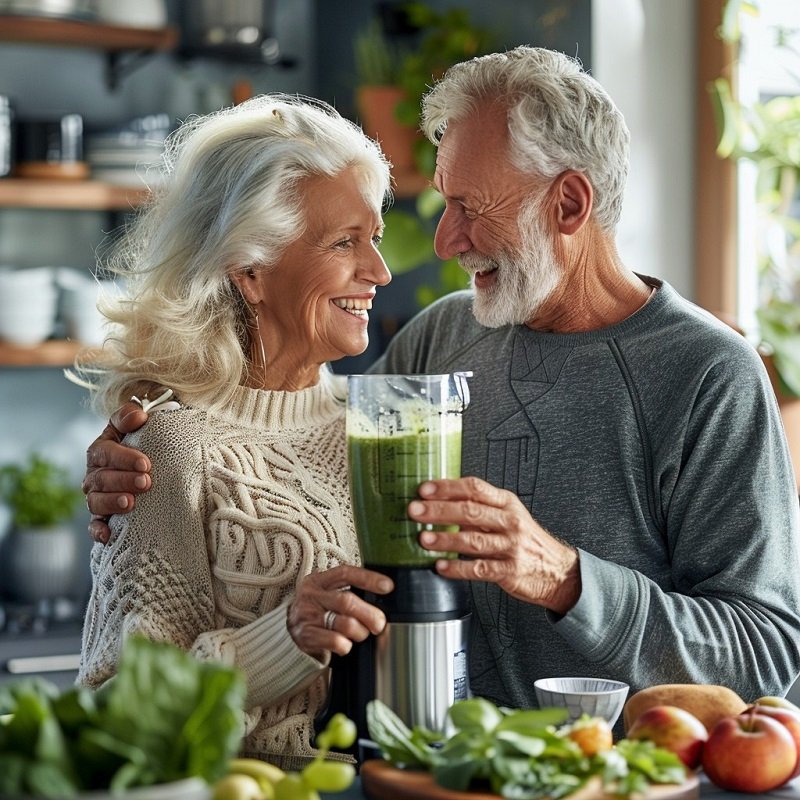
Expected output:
(39, 563)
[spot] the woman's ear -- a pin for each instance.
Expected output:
(575, 198)
(245, 282)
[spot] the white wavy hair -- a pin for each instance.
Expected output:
(559, 118)
(231, 200)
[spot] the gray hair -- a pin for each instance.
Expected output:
(230, 199)
(559, 118)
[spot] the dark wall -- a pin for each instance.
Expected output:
(558, 24)
(563, 25)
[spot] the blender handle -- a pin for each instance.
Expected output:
(462, 387)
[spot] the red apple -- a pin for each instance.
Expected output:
(749, 753)
(784, 714)
(673, 729)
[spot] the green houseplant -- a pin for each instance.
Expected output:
(767, 134)
(39, 493)
(40, 554)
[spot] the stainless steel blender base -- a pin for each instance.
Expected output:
(421, 669)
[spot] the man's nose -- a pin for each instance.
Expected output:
(451, 238)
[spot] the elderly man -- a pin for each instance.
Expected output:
(630, 510)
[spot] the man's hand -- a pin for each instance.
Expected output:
(500, 540)
(115, 474)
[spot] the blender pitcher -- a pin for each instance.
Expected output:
(401, 430)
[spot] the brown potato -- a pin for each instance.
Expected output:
(708, 702)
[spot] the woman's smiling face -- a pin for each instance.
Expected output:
(314, 303)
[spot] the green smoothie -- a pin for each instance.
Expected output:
(384, 475)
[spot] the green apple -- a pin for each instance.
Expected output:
(779, 702)
(293, 787)
(237, 787)
(674, 729)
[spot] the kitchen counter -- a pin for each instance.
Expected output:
(51, 652)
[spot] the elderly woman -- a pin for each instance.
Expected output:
(255, 265)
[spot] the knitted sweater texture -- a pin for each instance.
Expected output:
(655, 447)
(245, 502)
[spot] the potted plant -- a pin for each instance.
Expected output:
(39, 554)
(378, 94)
(398, 75)
(767, 134)
(392, 76)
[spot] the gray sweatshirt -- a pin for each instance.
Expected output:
(656, 448)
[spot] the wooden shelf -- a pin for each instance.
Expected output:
(52, 353)
(78, 33)
(69, 195)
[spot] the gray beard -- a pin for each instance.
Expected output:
(525, 278)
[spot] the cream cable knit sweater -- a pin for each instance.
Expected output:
(245, 502)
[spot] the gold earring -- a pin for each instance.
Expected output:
(261, 343)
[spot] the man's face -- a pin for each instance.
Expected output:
(494, 221)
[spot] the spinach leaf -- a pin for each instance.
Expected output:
(163, 717)
(520, 755)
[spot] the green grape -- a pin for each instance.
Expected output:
(339, 732)
(329, 776)
(293, 787)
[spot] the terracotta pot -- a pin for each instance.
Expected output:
(40, 563)
(376, 105)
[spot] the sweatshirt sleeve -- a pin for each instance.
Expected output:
(726, 496)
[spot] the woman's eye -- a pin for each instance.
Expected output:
(344, 244)
(377, 239)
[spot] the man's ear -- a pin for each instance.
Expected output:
(575, 198)
(245, 282)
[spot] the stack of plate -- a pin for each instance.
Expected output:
(129, 155)
(77, 9)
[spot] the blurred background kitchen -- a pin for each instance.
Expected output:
(90, 88)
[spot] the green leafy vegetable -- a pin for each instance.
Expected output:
(163, 717)
(518, 754)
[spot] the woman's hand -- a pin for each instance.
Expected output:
(326, 616)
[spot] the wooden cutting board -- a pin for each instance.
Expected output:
(381, 781)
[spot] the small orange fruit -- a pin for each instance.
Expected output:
(592, 734)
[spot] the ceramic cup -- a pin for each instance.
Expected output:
(28, 304)
(80, 295)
